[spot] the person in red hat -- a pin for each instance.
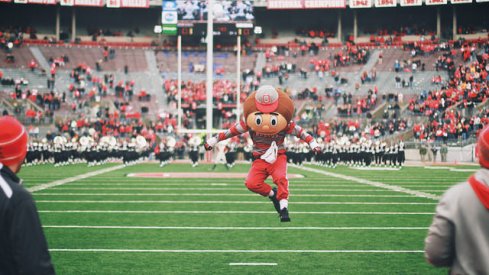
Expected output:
(23, 247)
(458, 237)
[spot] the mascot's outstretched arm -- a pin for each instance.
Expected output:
(236, 130)
(296, 130)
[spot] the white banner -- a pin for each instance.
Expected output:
(20, 1)
(169, 17)
(436, 2)
(113, 3)
(324, 4)
(360, 3)
(284, 4)
(385, 3)
(135, 3)
(410, 3)
(461, 1)
(42, 2)
(481, 0)
(89, 3)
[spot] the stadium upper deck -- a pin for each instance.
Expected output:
(136, 25)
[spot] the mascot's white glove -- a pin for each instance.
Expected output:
(315, 146)
(270, 155)
(209, 144)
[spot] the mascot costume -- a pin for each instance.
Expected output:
(267, 117)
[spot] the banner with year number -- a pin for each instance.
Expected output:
(360, 4)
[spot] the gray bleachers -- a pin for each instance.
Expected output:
(133, 58)
(167, 61)
(23, 57)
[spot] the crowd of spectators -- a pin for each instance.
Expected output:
(400, 31)
(10, 38)
(453, 126)
(85, 88)
(283, 61)
(348, 106)
(315, 33)
(194, 93)
(110, 126)
(466, 88)
(97, 32)
(467, 29)
(373, 129)
(194, 99)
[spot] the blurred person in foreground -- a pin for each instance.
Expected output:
(458, 238)
(23, 247)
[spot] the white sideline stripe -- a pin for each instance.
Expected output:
(451, 169)
(296, 185)
(75, 178)
(433, 180)
(226, 251)
(376, 168)
(207, 184)
(216, 194)
(233, 180)
(233, 202)
(253, 264)
(462, 170)
(229, 212)
(211, 189)
(227, 227)
(373, 183)
(440, 185)
(241, 181)
(421, 181)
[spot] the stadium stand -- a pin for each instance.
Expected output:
(376, 80)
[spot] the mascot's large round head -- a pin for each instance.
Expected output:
(268, 110)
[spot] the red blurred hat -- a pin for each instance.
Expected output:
(483, 147)
(13, 141)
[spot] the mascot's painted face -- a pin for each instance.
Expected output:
(266, 123)
(268, 111)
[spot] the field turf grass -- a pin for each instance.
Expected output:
(112, 224)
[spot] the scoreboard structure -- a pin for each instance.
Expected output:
(188, 18)
(220, 29)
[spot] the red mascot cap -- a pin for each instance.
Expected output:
(266, 99)
(13, 141)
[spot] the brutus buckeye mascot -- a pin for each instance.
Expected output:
(267, 118)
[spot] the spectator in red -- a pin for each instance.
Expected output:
(32, 65)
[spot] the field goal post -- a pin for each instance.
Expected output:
(209, 131)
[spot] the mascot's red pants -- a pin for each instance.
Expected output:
(259, 172)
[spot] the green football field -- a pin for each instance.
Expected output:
(344, 220)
